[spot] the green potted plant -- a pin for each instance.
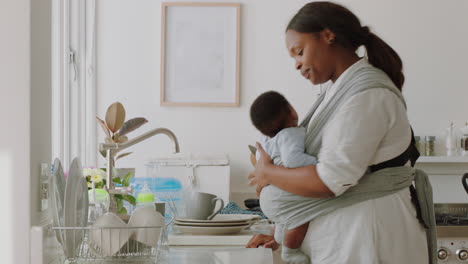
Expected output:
(116, 129)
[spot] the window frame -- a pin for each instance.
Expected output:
(74, 82)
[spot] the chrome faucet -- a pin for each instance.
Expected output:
(112, 149)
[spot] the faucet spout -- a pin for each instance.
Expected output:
(161, 130)
(112, 148)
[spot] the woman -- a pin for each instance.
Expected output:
(359, 131)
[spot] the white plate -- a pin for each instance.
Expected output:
(223, 218)
(56, 198)
(209, 230)
(212, 224)
(76, 208)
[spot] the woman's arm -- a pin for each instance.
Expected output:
(301, 181)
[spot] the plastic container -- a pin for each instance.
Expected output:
(98, 203)
(169, 191)
(451, 140)
(209, 174)
(166, 190)
(101, 196)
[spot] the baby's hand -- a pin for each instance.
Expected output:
(258, 176)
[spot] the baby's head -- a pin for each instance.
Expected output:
(271, 112)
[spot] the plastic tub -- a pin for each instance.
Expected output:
(167, 190)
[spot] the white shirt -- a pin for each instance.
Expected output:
(287, 148)
(371, 127)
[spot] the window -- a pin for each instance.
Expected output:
(73, 81)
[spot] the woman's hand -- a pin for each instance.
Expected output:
(262, 240)
(258, 176)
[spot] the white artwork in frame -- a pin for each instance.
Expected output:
(200, 54)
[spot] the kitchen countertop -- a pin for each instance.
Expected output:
(207, 249)
(239, 239)
(219, 255)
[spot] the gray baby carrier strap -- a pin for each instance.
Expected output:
(360, 80)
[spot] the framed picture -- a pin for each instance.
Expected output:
(200, 54)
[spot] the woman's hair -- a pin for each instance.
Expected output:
(270, 112)
(317, 16)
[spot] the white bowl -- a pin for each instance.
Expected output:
(145, 217)
(108, 238)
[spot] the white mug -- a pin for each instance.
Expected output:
(201, 206)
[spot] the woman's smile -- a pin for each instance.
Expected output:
(306, 74)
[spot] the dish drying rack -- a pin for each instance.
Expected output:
(79, 244)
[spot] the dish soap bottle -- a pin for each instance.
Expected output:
(451, 140)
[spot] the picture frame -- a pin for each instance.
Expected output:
(200, 54)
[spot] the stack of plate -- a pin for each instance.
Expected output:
(69, 206)
(219, 225)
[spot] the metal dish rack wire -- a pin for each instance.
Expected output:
(93, 244)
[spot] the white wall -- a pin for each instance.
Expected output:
(431, 36)
(41, 94)
(15, 130)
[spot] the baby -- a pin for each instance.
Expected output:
(275, 118)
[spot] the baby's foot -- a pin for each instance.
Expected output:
(294, 256)
(279, 233)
